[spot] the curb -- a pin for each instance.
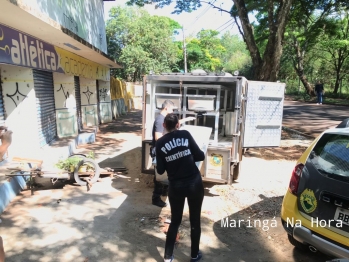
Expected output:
(296, 132)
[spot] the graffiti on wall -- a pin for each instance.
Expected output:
(65, 93)
(17, 48)
(103, 93)
(16, 96)
(88, 95)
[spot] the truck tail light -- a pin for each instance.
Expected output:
(295, 178)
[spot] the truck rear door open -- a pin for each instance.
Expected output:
(263, 114)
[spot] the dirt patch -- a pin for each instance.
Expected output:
(292, 147)
(287, 153)
(254, 200)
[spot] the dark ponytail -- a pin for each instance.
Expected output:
(171, 120)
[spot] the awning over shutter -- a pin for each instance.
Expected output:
(44, 92)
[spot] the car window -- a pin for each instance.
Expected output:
(331, 155)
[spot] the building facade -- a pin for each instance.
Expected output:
(54, 76)
(54, 71)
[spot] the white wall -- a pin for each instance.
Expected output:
(105, 101)
(89, 94)
(84, 18)
(65, 104)
(20, 109)
(137, 91)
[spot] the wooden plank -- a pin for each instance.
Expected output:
(91, 173)
(27, 160)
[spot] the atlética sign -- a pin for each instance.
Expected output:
(20, 49)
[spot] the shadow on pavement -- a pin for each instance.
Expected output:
(256, 234)
(312, 119)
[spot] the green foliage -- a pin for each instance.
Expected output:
(181, 5)
(236, 56)
(268, 11)
(68, 164)
(204, 52)
(313, 42)
(141, 42)
(304, 54)
(335, 45)
(91, 155)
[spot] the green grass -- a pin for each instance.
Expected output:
(303, 97)
(336, 101)
(292, 92)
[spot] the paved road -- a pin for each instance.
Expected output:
(312, 119)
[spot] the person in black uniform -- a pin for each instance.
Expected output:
(176, 153)
(157, 132)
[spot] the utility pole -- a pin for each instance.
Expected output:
(184, 52)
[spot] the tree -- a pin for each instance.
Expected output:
(236, 56)
(302, 34)
(265, 67)
(209, 52)
(274, 14)
(305, 29)
(335, 42)
(141, 42)
(203, 52)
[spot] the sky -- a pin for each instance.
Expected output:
(205, 17)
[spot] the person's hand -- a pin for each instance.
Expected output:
(190, 118)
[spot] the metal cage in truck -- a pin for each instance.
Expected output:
(242, 114)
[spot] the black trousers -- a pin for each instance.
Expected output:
(194, 192)
(158, 189)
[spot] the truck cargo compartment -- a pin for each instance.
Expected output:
(201, 102)
(175, 98)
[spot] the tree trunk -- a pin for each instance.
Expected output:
(299, 67)
(249, 37)
(338, 66)
(266, 69)
(336, 85)
(308, 87)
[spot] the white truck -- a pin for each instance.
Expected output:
(242, 114)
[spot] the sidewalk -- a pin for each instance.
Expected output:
(71, 224)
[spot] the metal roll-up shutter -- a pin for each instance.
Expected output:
(78, 102)
(98, 103)
(2, 108)
(45, 101)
